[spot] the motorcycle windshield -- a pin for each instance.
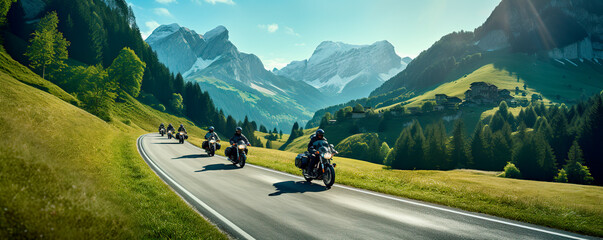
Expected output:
(320, 144)
(241, 143)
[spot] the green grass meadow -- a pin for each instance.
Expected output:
(65, 173)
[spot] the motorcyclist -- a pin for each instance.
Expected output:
(319, 135)
(170, 127)
(161, 126)
(208, 136)
(238, 136)
(182, 129)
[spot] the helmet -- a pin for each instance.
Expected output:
(320, 133)
(170, 124)
(239, 129)
(211, 129)
(181, 125)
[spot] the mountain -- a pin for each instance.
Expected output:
(548, 28)
(347, 71)
(236, 81)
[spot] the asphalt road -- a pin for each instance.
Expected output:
(255, 202)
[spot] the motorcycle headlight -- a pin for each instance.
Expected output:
(327, 155)
(241, 147)
(212, 141)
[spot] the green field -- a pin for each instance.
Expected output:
(66, 173)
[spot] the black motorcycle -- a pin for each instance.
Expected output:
(323, 170)
(162, 131)
(181, 136)
(211, 146)
(170, 134)
(238, 157)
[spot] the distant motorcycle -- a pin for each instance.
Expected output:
(162, 131)
(181, 136)
(239, 157)
(211, 146)
(323, 170)
(170, 134)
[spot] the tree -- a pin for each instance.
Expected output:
(358, 108)
(435, 152)
(534, 158)
(458, 149)
(4, 7)
(263, 129)
(576, 171)
(176, 103)
(127, 70)
(383, 151)
(97, 91)
(590, 137)
(269, 144)
(48, 47)
(427, 106)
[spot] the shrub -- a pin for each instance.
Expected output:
(561, 176)
(511, 171)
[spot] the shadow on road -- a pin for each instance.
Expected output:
(296, 187)
(167, 143)
(192, 156)
(217, 167)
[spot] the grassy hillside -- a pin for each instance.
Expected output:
(559, 82)
(66, 173)
(300, 144)
(275, 144)
(569, 207)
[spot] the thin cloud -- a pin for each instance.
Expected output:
(269, 27)
(290, 31)
(213, 2)
(300, 44)
(277, 63)
(162, 12)
(166, 1)
(151, 25)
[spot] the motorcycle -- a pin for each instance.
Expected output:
(170, 134)
(181, 136)
(211, 148)
(240, 156)
(162, 131)
(323, 170)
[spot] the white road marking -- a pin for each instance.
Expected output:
(189, 194)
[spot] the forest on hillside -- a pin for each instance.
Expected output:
(93, 49)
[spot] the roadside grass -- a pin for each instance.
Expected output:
(571, 207)
(65, 173)
(275, 144)
(300, 144)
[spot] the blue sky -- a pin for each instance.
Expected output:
(282, 31)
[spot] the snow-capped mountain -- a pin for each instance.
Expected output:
(347, 71)
(236, 81)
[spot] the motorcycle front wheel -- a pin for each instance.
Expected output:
(329, 176)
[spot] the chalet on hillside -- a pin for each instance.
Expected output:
(447, 102)
(485, 93)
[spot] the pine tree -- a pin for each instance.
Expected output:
(576, 171)
(561, 137)
(477, 147)
(48, 47)
(590, 138)
(458, 149)
(417, 149)
(383, 151)
(4, 7)
(269, 144)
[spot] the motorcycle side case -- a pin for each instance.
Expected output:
(301, 161)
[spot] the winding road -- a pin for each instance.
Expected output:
(260, 203)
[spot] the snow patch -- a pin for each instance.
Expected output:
(335, 82)
(214, 32)
(262, 90)
(162, 31)
(328, 48)
(392, 72)
(199, 65)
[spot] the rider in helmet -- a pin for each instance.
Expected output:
(161, 126)
(238, 136)
(182, 129)
(319, 135)
(208, 135)
(170, 127)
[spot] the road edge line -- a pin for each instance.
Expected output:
(188, 194)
